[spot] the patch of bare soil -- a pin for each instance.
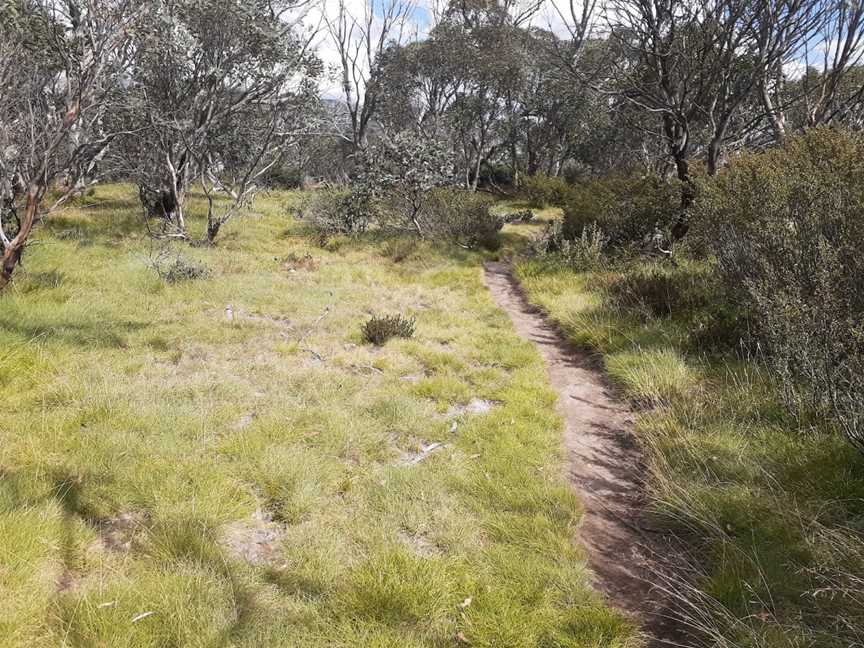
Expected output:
(118, 533)
(419, 544)
(255, 540)
(604, 466)
(475, 407)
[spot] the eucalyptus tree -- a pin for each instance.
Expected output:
(218, 92)
(360, 39)
(60, 68)
(837, 53)
(487, 66)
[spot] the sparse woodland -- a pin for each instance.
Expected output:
(255, 392)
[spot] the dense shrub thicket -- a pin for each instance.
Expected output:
(773, 259)
(404, 186)
(337, 211)
(787, 229)
(626, 209)
(544, 191)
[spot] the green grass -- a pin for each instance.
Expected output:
(514, 236)
(148, 440)
(771, 507)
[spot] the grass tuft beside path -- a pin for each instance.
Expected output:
(223, 462)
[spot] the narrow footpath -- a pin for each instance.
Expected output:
(603, 465)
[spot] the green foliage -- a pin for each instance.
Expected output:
(398, 249)
(464, 218)
(789, 245)
(284, 177)
(585, 252)
(399, 173)
(660, 290)
(767, 513)
(380, 328)
(172, 267)
(627, 209)
(543, 191)
(338, 211)
(689, 293)
(495, 176)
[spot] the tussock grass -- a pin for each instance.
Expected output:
(769, 507)
(146, 421)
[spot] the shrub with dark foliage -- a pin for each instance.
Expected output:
(787, 228)
(336, 211)
(627, 209)
(378, 329)
(464, 218)
(172, 267)
(545, 191)
(400, 173)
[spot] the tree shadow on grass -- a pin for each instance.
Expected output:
(102, 334)
(99, 224)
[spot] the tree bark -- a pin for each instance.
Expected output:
(688, 197)
(715, 153)
(13, 250)
(775, 115)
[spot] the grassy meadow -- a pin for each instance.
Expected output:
(770, 507)
(223, 462)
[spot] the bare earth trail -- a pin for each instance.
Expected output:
(603, 464)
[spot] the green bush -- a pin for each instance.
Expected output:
(462, 217)
(627, 209)
(544, 191)
(284, 177)
(495, 175)
(172, 267)
(337, 211)
(378, 329)
(660, 290)
(399, 248)
(580, 254)
(691, 293)
(787, 228)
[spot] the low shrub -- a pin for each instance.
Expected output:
(173, 267)
(691, 293)
(338, 211)
(461, 217)
(789, 244)
(628, 210)
(295, 261)
(398, 249)
(495, 176)
(660, 290)
(586, 252)
(284, 177)
(378, 329)
(400, 174)
(545, 191)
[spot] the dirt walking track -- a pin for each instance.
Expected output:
(603, 466)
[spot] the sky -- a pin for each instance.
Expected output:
(418, 27)
(549, 17)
